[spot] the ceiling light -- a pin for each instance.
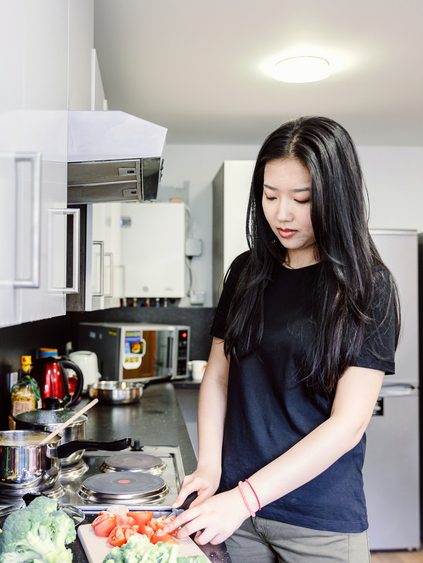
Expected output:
(301, 69)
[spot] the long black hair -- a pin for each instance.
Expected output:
(351, 269)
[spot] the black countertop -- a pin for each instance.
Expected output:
(156, 421)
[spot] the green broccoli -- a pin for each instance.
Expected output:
(37, 534)
(138, 549)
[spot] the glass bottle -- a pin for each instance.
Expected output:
(25, 394)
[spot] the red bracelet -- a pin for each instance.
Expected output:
(240, 484)
(254, 493)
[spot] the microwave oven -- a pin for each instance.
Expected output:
(137, 352)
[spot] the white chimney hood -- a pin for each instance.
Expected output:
(113, 156)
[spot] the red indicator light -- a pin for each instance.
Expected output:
(184, 335)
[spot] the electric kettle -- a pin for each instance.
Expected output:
(51, 377)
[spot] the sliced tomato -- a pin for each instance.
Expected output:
(124, 520)
(146, 530)
(141, 517)
(162, 536)
(121, 534)
(104, 524)
(157, 523)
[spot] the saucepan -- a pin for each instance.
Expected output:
(25, 464)
(122, 392)
(49, 420)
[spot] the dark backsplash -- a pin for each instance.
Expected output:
(55, 333)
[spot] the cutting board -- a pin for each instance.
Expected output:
(97, 548)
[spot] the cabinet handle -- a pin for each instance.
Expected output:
(110, 257)
(35, 159)
(75, 213)
(100, 293)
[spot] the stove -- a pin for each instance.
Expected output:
(141, 479)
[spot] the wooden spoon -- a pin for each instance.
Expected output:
(67, 422)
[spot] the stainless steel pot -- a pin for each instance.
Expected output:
(50, 420)
(25, 465)
(121, 392)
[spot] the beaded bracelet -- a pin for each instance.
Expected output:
(244, 498)
(254, 493)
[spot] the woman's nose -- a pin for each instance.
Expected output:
(284, 211)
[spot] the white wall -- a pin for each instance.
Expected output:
(394, 178)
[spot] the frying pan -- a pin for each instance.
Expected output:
(122, 392)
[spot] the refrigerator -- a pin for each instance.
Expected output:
(391, 469)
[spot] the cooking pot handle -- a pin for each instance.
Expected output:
(80, 376)
(65, 450)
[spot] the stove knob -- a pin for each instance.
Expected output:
(136, 446)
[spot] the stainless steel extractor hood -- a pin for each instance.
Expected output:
(113, 156)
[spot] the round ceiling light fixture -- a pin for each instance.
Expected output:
(301, 69)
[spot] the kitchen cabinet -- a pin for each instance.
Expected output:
(231, 190)
(35, 43)
(106, 281)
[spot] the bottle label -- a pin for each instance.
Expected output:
(21, 406)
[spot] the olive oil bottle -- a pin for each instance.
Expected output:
(25, 394)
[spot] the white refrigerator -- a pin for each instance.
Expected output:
(391, 468)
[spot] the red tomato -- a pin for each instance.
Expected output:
(146, 530)
(162, 536)
(141, 517)
(123, 520)
(104, 524)
(157, 523)
(121, 534)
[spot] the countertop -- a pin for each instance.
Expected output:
(156, 420)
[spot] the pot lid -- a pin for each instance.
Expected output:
(44, 417)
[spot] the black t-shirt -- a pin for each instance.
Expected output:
(269, 407)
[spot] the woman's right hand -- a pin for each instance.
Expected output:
(203, 482)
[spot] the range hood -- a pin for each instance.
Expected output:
(113, 156)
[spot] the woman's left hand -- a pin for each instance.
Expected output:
(214, 520)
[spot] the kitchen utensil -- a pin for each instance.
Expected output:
(48, 420)
(121, 392)
(65, 424)
(88, 363)
(27, 465)
(53, 382)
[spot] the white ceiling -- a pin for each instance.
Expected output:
(195, 66)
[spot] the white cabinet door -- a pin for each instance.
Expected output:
(44, 130)
(11, 101)
(7, 235)
(106, 269)
(45, 36)
(33, 129)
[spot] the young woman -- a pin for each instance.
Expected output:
(306, 328)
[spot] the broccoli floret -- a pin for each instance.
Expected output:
(37, 534)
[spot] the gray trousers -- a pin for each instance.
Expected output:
(259, 540)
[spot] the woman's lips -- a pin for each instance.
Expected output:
(286, 233)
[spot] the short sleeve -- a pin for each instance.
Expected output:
(378, 350)
(229, 286)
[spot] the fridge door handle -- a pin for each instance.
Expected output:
(397, 389)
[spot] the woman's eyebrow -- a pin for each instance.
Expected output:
(295, 190)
